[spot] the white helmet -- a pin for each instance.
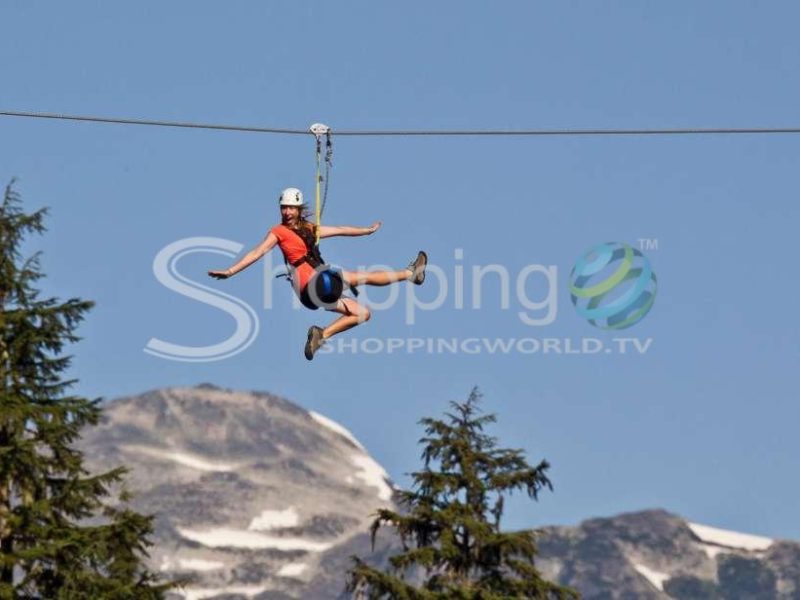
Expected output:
(291, 197)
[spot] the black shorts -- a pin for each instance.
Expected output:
(323, 290)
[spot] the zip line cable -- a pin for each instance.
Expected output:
(94, 119)
(412, 132)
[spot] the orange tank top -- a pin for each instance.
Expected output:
(294, 249)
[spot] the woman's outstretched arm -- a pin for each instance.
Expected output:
(267, 244)
(334, 230)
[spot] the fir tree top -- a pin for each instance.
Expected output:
(452, 517)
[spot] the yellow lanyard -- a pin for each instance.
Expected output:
(320, 129)
(318, 210)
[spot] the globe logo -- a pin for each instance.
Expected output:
(613, 286)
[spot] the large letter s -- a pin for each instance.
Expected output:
(164, 268)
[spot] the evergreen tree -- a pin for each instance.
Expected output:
(60, 537)
(453, 519)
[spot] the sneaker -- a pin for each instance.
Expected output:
(314, 341)
(417, 268)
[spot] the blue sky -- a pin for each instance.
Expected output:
(702, 424)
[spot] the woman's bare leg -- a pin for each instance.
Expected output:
(415, 271)
(353, 278)
(352, 313)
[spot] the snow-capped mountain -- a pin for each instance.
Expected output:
(656, 555)
(249, 489)
(257, 498)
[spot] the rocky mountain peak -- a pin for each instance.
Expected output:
(248, 488)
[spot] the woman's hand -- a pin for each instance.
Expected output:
(374, 227)
(220, 274)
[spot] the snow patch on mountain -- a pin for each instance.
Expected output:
(655, 577)
(730, 539)
(372, 474)
(334, 426)
(237, 538)
(191, 564)
(275, 519)
(182, 458)
(292, 569)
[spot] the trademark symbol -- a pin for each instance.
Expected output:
(648, 243)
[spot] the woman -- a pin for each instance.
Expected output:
(315, 284)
